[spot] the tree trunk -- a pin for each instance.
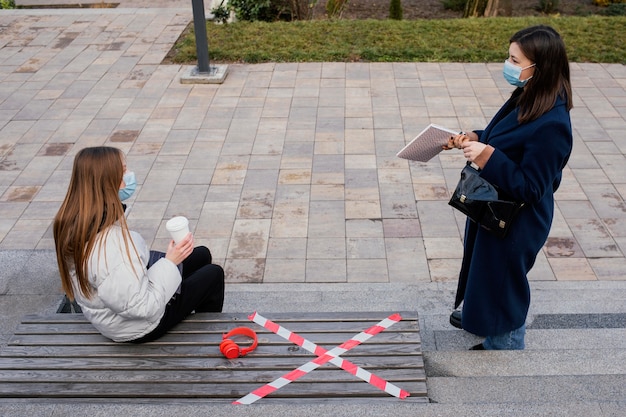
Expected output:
(299, 10)
(472, 8)
(486, 8)
(491, 10)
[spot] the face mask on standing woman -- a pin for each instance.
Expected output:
(512, 73)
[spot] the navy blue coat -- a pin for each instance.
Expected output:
(527, 164)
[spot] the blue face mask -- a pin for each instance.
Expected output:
(512, 73)
(129, 188)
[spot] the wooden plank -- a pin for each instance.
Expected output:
(331, 339)
(204, 327)
(243, 317)
(200, 390)
(61, 356)
(38, 324)
(140, 362)
(215, 376)
(125, 350)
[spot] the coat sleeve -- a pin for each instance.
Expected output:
(128, 288)
(532, 166)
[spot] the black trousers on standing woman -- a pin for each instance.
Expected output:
(202, 290)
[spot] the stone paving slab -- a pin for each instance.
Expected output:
(286, 171)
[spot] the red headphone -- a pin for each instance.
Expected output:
(231, 349)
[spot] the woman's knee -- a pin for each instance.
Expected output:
(218, 271)
(213, 273)
(204, 253)
(200, 257)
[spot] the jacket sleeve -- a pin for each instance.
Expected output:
(128, 288)
(544, 151)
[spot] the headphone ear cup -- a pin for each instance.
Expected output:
(229, 349)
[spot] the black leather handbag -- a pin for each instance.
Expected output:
(481, 201)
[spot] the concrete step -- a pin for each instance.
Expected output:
(557, 389)
(526, 363)
(396, 408)
(587, 373)
(538, 339)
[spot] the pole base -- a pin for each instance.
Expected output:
(216, 75)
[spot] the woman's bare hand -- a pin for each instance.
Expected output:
(456, 141)
(179, 252)
(471, 150)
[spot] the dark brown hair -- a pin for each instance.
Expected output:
(543, 46)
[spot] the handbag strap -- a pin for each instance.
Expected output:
(473, 165)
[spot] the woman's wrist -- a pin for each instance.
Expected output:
(483, 157)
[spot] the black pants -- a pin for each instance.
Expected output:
(202, 290)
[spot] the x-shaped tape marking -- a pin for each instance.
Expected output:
(324, 356)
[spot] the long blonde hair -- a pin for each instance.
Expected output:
(91, 206)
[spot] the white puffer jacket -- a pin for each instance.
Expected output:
(127, 304)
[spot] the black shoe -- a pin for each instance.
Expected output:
(479, 346)
(455, 319)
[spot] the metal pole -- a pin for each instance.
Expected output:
(202, 45)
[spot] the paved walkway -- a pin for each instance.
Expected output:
(286, 171)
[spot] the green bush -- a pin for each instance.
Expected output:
(395, 9)
(454, 5)
(221, 13)
(7, 4)
(273, 10)
(252, 10)
(615, 10)
(548, 6)
(334, 8)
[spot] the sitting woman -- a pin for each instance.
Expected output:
(105, 267)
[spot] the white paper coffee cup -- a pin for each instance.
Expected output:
(178, 227)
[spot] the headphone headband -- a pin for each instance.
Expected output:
(243, 331)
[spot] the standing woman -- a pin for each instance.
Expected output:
(104, 265)
(523, 151)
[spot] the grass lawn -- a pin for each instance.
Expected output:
(588, 39)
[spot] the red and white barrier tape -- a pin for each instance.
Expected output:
(324, 356)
